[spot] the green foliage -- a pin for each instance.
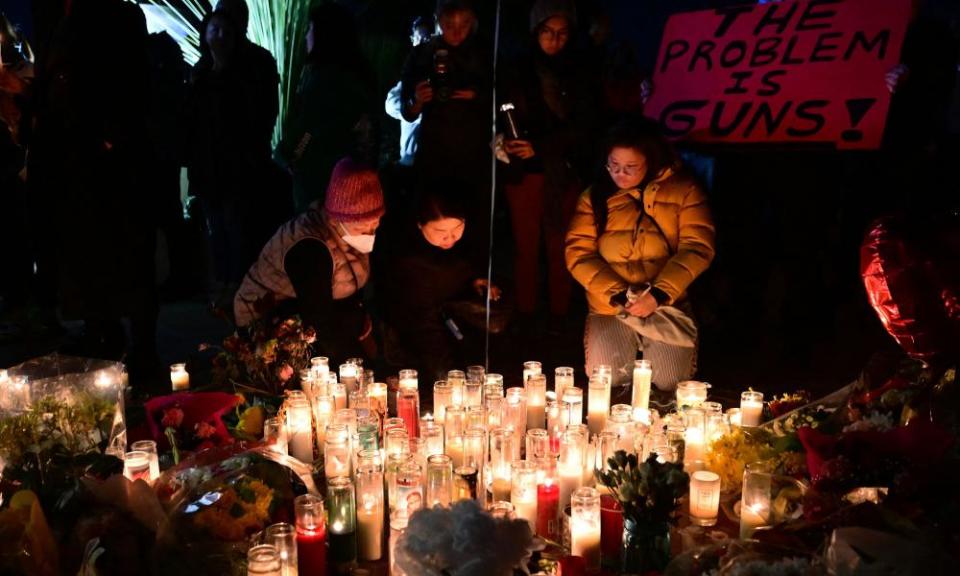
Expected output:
(649, 492)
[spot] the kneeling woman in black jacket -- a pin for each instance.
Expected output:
(425, 269)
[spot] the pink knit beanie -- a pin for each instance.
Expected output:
(354, 192)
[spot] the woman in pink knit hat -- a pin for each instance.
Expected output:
(316, 264)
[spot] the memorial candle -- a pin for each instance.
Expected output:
(691, 393)
(751, 408)
(398, 525)
(456, 379)
(299, 429)
(349, 377)
(408, 408)
(642, 374)
(537, 445)
(339, 392)
(548, 500)
(598, 402)
(755, 498)
(370, 513)
(571, 407)
(409, 487)
(150, 448)
(439, 484)
(465, 480)
(320, 366)
(553, 422)
(523, 491)
(179, 377)
(136, 466)
(263, 560)
(515, 416)
(694, 436)
(442, 397)
(432, 434)
(283, 537)
(562, 379)
(342, 525)
(585, 527)
(570, 467)
(311, 534)
(408, 380)
(377, 393)
(336, 455)
(704, 497)
(536, 389)
(502, 443)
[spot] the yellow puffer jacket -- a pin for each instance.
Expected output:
(631, 252)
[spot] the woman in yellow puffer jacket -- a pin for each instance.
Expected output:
(645, 230)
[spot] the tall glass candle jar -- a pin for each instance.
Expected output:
(536, 388)
(562, 379)
(336, 456)
(442, 397)
(263, 560)
(377, 393)
(274, 435)
(283, 537)
(150, 448)
(523, 491)
(751, 408)
(453, 431)
(603, 371)
(573, 446)
(493, 411)
(324, 407)
(476, 417)
(372, 458)
(476, 374)
(473, 393)
(466, 480)
(554, 427)
(530, 369)
(432, 434)
(456, 380)
(368, 432)
(694, 436)
(548, 499)
(734, 417)
(397, 442)
(311, 534)
(515, 415)
(409, 487)
(339, 392)
(398, 525)
(320, 366)
(607, 445)
(299, 429)
(342, 524)
(755, 498)
(585, 527)
(370, 513)
(474, 448)
(493, 378)
(598, 402)
(136, 466)
(408, 380)
(537, 445)
(704, 497)
(439, 484)
(350, 377)
(408, 408)
(390, 470)
(502, 443)
(571, 407)
(642, 376)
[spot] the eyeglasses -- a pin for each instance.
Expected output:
(625, 170)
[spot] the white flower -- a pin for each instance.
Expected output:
(875, 421)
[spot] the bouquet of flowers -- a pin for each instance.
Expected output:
(264, 357)
(190, 420)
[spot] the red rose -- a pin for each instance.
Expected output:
(204, 430)
(172, 418)
(286, 372)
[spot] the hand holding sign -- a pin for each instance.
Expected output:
(800, 71)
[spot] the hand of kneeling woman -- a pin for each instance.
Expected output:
(643, 306)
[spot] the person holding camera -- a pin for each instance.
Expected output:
(446, 81)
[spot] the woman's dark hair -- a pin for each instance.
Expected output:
(205, 55)
(645, 137)
(434, 205)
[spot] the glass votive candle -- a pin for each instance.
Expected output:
(537, 444)
(370, 513)
(179, 377)
(476, 417)
(493, 379)
(150, 448)
(536, 394)
(598, 403)
(263, 560)
(502, 443)
(515, 412)
(553, 422)
(607, 444)
(283, 537)
(336, 457)
(585, 527)
(432, 434)
(339, 392)
(573, 447)
(397, 441)
(734, 417)
(548, 499)
(341, 524)
(408, 380)
(755, 498)
(571, 407)
(493, 411)
(456, 380)
(642, 376)
(377, 393)
(368, 433)
(324, 407)
(390, 470)
(474, 448)
(408, 408)
(523, 491)
(442, 397)
(694, 436)
(439, 484)
(369, 458)
(502, 509)
(320, 366)
(691, 393)
(473, 393)
(751, 408)
(136, 466)
(350, 376)
(704, 497)
(562, 379)
(476, 373)
(466, 480)
(530, 369)
(398, 525)
(311, 534)
(409, 487)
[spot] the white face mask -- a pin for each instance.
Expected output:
(362, 243)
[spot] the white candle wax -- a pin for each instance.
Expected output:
(454, 448)
(369, 532)
(526, 509)
(641, 386)
(694, 448)
(751, 518)
(536, 416)
(500, 488)
(585, 542)
(750, 412)
(704, 497)
(570, 479)
(300, 444)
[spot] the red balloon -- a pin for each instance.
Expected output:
(910, 271)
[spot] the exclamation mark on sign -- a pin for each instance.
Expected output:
(857, 108)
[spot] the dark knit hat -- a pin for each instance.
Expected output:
(354, 192)
(544, 10)
(444, 6)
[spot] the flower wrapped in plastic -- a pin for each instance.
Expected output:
(191, 421)
(59, 415)
(219, 499)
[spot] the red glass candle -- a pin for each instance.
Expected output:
(548, 510)
(573, 566)
(311, 535)
(611, 527)
(408, 408)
